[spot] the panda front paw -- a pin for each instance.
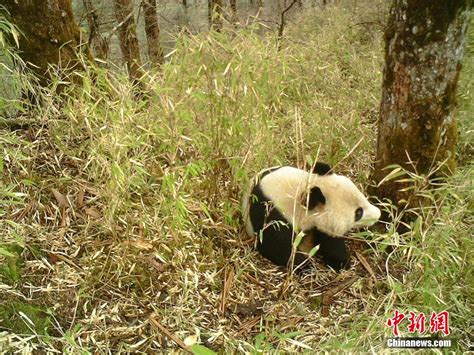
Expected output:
(338, 264)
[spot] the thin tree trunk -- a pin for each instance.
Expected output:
(424, 45)
(215, 15)
(50, 35)
(281, 27)
(209, 13)
(96, 40)
(233, 9)
(152, 31)
(128, 38)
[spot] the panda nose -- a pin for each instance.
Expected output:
(371, 215)
(375, 213)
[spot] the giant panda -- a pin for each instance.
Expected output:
(283, 202)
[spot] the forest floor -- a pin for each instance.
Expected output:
(121, 227)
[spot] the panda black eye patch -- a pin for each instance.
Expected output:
(359, 213)
(316, 197)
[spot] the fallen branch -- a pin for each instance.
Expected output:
(166, 332)
(366, 265)
(228, 280)
(329, 294)
(248, 325)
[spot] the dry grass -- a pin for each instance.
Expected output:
(121, 227)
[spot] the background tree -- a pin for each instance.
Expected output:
(50, 34)
(152, 31)
(281, 26)
(215, 14)
(128, 38)
(96, 40)
(233, 10)
(424, 45)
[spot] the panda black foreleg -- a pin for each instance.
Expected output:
(274, 243)
(333, 251)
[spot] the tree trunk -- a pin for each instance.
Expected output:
(233, 9)
(424, 45)
(209, 13)
(215, 15)
(152, 31)
(281, 26)
(96, 40)
(50, 35)
(128, 38)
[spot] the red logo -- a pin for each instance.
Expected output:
(439, 322)
(417, 323)
(395, 321)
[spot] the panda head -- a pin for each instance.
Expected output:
(333, 203)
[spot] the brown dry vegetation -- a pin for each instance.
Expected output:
(121, 227)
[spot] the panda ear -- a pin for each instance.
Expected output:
(322, 169)
(314, 199)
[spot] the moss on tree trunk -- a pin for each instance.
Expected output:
(50, 34)
(424, 46)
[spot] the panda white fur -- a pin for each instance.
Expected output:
(284, 201)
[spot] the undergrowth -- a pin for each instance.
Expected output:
(121, 217)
